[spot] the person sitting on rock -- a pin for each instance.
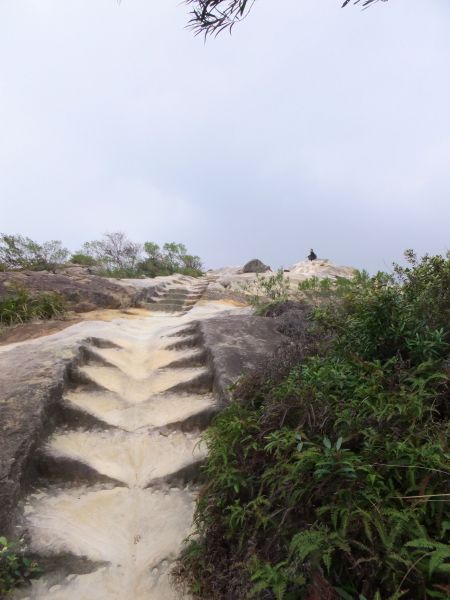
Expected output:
(312, 255)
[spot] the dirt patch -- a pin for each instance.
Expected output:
(36, 329)
(235, 302)
(31, 331)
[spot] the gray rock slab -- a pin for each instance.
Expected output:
(29, 392)
(33, 375)
(236, 345)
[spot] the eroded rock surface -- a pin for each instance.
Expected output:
(237, 345)
(102, 440)
(233, 278)
(84, 291)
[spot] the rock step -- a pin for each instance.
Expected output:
(167, 307)
(135, 533)
(116, 476)
(177, 298)
(163, 411)
(137, 390)
(131, 459)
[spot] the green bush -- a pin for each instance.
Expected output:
(329, 478)
(15, 568)
(267, 291)
(83, 259)
(20, 306)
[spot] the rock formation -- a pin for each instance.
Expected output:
(100, 455)
(101, 423)
(84, 291)
(233, 278)
(255, 266)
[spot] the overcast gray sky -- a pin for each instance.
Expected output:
(310, 127)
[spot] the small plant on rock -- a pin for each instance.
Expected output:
(265, 292)
(15, 568)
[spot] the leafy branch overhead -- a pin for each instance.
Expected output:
(214, 16)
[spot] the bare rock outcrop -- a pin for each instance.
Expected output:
(255, 266)
(233, 278)
(81, 290)
(84, 291)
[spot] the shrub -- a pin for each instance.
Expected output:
(328, 477)
(15, 568)
(266, 292)
(20, 306)
(83, 259)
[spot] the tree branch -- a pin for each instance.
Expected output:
(211, 17)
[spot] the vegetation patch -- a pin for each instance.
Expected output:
(328, 475)
(117, 256)
(266, 292)
(114, 255)
(20, 305)
(15, 568)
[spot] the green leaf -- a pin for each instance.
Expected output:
(437, 558)
(343, 594)
(421, 543)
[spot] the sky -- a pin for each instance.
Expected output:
(311, 126)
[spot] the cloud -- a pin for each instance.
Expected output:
(325, 128)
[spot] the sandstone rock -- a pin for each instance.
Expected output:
(85, 292)
(33, 375)
(320, 268)
(255, 266)
(237, 344)
(29, 392)
(76, 286)
(300, 271)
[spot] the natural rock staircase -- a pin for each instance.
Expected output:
(115, 481)
(178, 298)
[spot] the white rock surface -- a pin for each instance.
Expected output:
(234, 278)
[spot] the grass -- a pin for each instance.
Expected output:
(328, 475)
(20, 305)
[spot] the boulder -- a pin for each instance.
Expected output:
(255, 266)
(237, 345)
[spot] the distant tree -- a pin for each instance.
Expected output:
(173, 258)
(20, 252)
(114, 252)
(152, 265)
(192, 262)
(173, 253)
(152, 250)
(53, 254)
(213, 16)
